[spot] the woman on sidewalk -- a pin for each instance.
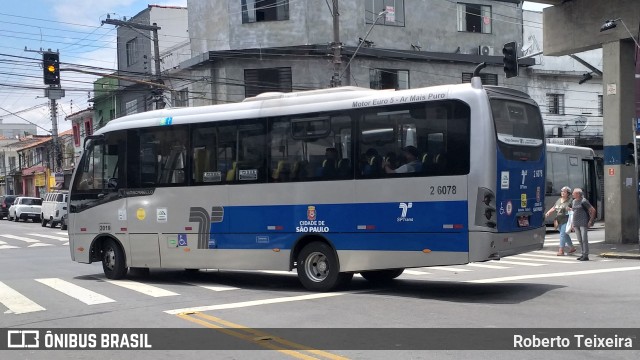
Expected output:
(562, 208)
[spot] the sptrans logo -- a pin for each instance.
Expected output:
(405, 209)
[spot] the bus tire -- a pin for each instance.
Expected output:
(378, 276)
(113, 262)
(318, 268)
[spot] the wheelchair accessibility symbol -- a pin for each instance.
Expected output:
(182, 239)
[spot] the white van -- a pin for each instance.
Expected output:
(54, 207)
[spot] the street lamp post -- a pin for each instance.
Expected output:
(362, 42)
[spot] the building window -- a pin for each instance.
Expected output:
(182, 98)
(76, 134)
(264, 10)
(132, 50)
(12, 163)
(394, 15)
(131, 107)
(474, 18)
(258, 81)
(388, 79)
(88, 127)
(555, 103)
(600, 106)
(487, 79)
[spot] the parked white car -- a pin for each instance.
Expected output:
(54, 207)
(24, 208)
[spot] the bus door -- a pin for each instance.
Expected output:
(96, 205)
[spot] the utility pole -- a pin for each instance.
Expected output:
(156, 51)
(337, 46)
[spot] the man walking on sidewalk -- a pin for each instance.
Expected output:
(583, 217)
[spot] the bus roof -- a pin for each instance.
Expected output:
(585, 152)
(282, 104)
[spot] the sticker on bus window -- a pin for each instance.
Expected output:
(212, 176)
(248, 175)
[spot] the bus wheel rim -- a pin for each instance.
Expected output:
(316, 267)
(110, 258)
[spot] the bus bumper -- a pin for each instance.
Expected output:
(485, 246)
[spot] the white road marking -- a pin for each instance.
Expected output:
(86, 296)
(556, 257)
(16, 302)
(568, 261)
(550, 275)
(142, 288)
(51, 237)
(487, 266)
(62, 233)
(414, 272)
(448, 268)
(516, 263)
(213, 287)
(2, 247)
(27, 240)
(39, 245)
(256, 302)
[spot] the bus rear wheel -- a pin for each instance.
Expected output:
(378, 276)
(318, 268)
(113, 262)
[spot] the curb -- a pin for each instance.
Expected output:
(618, 255)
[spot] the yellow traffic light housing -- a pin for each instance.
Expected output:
(51, 67)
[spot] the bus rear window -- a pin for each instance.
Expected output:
(519, 129)
(517, 123)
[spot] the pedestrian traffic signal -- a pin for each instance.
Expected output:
(51, 68)
(510, 59)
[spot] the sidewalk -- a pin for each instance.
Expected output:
(616, 251)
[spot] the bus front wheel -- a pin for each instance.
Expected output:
(318, 268)
(382, 275)
(113, 262)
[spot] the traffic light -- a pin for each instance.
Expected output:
(510, 59)
(51, 68)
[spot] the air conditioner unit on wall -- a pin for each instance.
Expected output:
(485, 50)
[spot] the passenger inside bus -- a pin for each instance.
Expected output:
(412, 164)
(330, 163)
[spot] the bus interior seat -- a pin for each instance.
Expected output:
(344, 168)
(281, 172)
(329, 169)
(374, 167)
(231, 173)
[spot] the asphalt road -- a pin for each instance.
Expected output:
(536, 290)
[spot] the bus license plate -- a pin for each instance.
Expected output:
(523, 221)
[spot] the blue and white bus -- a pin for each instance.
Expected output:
(329, 182)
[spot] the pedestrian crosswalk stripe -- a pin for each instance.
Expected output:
(62, 233)
(86, 296)
(414, 272)
(142, 288)
(2, 247)
(51, 237)
(449, 268)
(516, 263)
(519, 257)
(213, 287)
(27, 240)
(488, 266)
(548, 256)
(39, 245)
(16, 302)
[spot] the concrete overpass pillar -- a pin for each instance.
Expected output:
(620, 180)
